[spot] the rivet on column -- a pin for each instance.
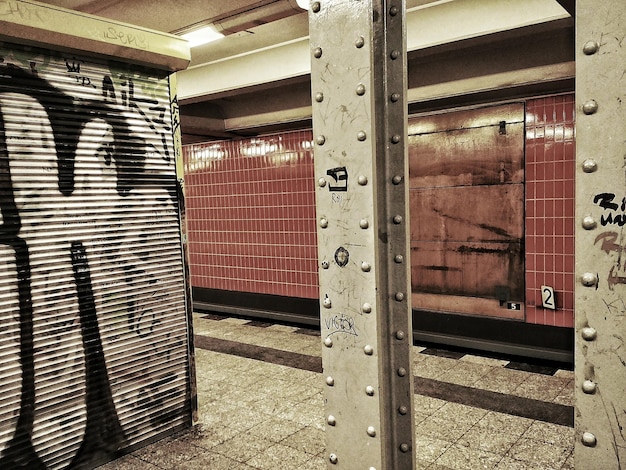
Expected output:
(369, 391)
(589, 439)
(333, 458)
(589, 223)
(326, 302)
(397, 219)
(398, 259)
(317, 52)
(320, 140)
(393, 11)
(589, 333)
(401, 372)
(589, 387)
(361, 136)
(403, 410)
(362, 180)
(360, 42)
(328, 343)
(394, 54)
(323, 222)
(366, 308)
(590, 107)
(360, 89)
(397, 179)
(371, 431)
(363, 223)
(395, 97)
(404, 447)
(315, 7)
(325, 264)
(331, 420)
(366, 267)
(330, 381)
(399, 296)
(400, 334)
(368, 350)
(319, 97)
(590, 47)
(590, 166)
(589, 279)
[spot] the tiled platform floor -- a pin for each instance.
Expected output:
(471, 412)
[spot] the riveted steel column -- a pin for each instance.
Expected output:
(358, 83)
(600, 235)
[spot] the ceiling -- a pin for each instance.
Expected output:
(271, 38)
(176, 15)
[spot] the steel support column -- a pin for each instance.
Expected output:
(600, 236)
(358, 84)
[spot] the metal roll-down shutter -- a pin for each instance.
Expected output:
(94, 353)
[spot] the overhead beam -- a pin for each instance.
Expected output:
(33, 23)
(428, 25)
(492, 82)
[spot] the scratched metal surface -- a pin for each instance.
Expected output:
(358, 51)
(600, 237)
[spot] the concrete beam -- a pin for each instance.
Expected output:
(33, 23)
(428, 25)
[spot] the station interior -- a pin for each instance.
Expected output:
(206, 344)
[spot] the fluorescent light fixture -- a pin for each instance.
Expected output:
(304, 4)
(201, 36)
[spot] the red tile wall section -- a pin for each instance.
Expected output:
(549, 233)
(251, 211)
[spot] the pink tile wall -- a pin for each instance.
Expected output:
(549, 233)
(251, 211)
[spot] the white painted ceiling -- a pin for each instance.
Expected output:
(267, 39)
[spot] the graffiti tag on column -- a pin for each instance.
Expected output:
(340, 175)
(616, 212)
(340, 324)
(609, 243)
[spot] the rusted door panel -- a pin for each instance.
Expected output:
(474, 269)
(492, 154)
(468, 213)
(481, 117)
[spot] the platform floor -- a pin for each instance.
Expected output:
(260, 400)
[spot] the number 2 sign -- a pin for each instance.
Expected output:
(547, 297)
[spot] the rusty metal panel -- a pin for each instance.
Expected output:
(492, 213)
(473, 269)
(467, 211)
(466, 148)
(358, 83)
(600, 294)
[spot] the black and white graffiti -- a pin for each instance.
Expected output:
(92, 318)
